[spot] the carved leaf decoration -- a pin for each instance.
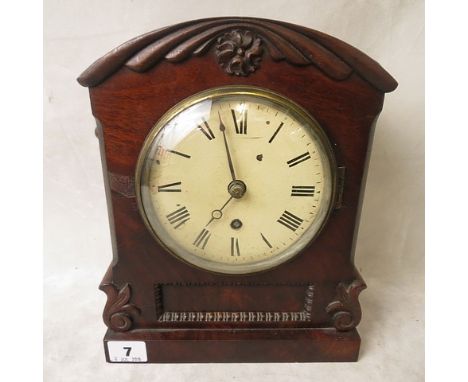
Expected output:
(118, 312)
(123, 296)
(292, 43)
(345, 309)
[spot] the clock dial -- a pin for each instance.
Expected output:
(235, 180)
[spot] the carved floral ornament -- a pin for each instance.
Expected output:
(239, 52)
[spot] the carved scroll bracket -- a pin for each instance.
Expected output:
(345, 309)
(118, 313)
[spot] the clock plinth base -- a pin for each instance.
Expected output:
(243, 345)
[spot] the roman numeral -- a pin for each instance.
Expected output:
(202, 239)
(265, 240)
(301, 158)
(276, 132)
(171, 187)
(290, 220)
(178, 217)
(206, 130)
(162, 152)
(241, 128)
(235, 247)
(303, 191)
(179, 153)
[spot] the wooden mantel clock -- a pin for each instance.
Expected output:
(234, 153)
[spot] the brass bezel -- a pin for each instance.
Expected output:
(235, 269)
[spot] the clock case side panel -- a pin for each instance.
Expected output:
(129, 104)
(363, 189)
(110, 211)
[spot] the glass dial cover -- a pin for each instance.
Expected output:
(235, 180)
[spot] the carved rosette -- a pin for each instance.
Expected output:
(239, 52)
(345, 309)
(118, 313)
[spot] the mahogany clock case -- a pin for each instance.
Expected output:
(301, 311)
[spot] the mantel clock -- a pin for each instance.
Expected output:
(234, 153)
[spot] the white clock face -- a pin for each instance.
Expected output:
(235, 180)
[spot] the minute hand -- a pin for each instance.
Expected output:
(223, 130)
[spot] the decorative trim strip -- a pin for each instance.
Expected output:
(234, 317)
(158, 301)
(340, 183)
(294, 44)
(301, 316)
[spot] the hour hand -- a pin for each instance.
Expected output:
(218, 214)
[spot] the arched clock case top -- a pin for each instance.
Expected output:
(239, 41)
(303, 310)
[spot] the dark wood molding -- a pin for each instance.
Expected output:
(243, 345)
(118, 313)
(294, 44)
(345, 310)
(303, 315)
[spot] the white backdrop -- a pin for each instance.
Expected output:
(390, 250)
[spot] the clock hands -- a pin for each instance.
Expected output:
(236, 188)
(218, 214)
